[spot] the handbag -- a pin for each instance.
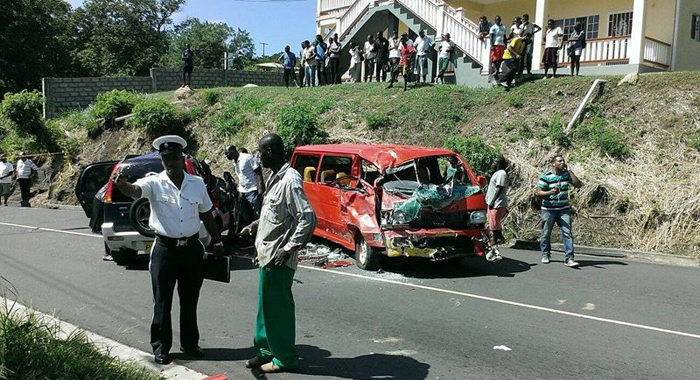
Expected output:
(217, 268)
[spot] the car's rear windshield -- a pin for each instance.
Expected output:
(134, 170)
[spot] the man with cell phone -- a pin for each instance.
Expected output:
(553, 188)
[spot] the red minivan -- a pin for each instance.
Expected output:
(395, 200)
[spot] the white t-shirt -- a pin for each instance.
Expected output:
(517, 30)
(498, 32)
(309, 56)
(354, 57)
(24, 168)
(422, 45)
(446, 47)
(175, 212)
(394, 46)
(369, 50)
(553, 36)
(499, 178)
(5, 169)
(245, 170)
(528, 28)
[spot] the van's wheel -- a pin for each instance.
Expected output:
(139, 212)
(124, 256)
(366, 257)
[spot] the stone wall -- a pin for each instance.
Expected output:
(64, 94)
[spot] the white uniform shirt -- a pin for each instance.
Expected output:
(24, 168)
(245, 167)
(5, 169)
(423, 45)
(553, 36)
(175, 212)
(394, 46)
(369, 50)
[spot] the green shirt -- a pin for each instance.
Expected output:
(549, 181)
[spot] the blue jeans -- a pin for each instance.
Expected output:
(563, 219)
(310, 76)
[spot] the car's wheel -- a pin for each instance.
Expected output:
(139, 212)
(366, 257)
(124, 256)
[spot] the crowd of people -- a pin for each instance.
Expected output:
(22, 176)
(510, 55)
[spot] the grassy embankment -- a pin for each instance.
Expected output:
(636, 149)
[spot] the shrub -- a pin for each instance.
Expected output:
(376, 120)
(515, 101)
(112, 104)
(226, 124)
(194, 114)
(608, 141)
(83, 119)
(297, 125)
(694, 141)
(555, 131)
(211, 97)
(157, 117)
(23, 112)
(475, 150)
(325, 106)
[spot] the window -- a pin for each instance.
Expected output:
(695, 28)
(620, 24)
(591, 24)
(306, 166)
(333, 167)
(369, 172)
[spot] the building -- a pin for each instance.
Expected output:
(622, 35)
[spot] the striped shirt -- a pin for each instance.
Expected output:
(549, 181)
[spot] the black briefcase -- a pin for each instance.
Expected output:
(217, 268)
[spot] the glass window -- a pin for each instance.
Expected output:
(620, 24)
(695, 28)
(333, 167)
(306, 165)
(369, 172)
(592, 27)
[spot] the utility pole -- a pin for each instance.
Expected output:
(263, 44)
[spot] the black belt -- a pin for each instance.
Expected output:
(177, 242)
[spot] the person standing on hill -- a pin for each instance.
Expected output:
(355, 63)
(446, 49)
(309, 55)
(382, 49)
(321, 49)
(553, 188)
(553, 42)
(529, 30)
(404, 65)
(25, 167)
(301, 65)
(334, 49)
(424, 44)
(511, 60)
(577, 42)
(187, 66)
(289, 61)
(370, 57)
(498, 46)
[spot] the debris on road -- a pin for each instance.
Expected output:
(502, 348)
(321, 256)
(589, 306)
(337, 264)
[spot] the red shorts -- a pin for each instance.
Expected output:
(497, 53)
(494, 216)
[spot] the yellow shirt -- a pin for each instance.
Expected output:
(517, 44)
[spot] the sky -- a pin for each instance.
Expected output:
(279, 23)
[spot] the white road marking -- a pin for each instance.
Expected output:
(502, 348)
(438, 290)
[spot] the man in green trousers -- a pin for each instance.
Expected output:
(286, 224)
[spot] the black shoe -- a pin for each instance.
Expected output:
(256, 362)
(162, 359)
(196, 352)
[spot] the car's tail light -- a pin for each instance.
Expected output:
(110, 185)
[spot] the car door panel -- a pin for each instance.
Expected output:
(91, 179)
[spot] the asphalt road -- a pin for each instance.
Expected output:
(610, 319)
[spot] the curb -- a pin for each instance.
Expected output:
(653, 257)
(113, 348)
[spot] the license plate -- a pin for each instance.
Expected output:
(149, 244)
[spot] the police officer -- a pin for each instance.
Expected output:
(178, 202)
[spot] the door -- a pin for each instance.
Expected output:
(91, 180)
(307, 165)
(332, 169)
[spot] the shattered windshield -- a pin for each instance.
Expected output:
(434, 170)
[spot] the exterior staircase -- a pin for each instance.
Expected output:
(363, 17)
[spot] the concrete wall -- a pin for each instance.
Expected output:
(660, 20)
(63, 94)
(686, 52)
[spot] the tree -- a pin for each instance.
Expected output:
(208, 40)
(34, 42)
(122, 37)
(242, 48)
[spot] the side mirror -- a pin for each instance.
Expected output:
(481, 180)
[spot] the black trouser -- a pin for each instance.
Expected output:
(321, 72)
(171, 264)
(301, 76)
(369, 69)
(288, 75)
(25, 185)
(97, 216)
(334, 68)
(512, 66)
(380, 70)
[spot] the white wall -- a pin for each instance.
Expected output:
(686, 52)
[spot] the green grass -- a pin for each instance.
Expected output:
(30, 349)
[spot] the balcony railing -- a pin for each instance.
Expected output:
(331, 5)
(601, 51)
(657, 52)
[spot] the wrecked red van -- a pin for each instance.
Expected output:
(394, 200)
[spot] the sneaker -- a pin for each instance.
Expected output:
(545, 259)
(571, 263)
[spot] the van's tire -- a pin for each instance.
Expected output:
(366, 257)
(124, 256)
(139, 212)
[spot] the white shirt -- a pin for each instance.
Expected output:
(24, 168)
(369, 50)
(528, 28)
(498, 33)
(245, 167)
(309, 56)
(499, 178)
(394, 46)
(5, 169)
(423, 45)
(553, 36)
(446, 47)
(175, 212)
(354, 56)
(517, 30)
